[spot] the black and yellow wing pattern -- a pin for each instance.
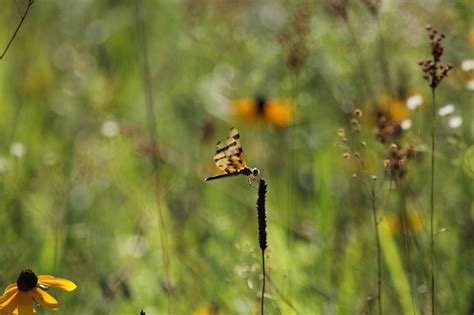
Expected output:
(229, 157)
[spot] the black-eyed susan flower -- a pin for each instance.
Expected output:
(20, 297)
(277, 112)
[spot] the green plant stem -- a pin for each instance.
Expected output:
(263, 284)
(382, 57)
(360, 63)
(151, 122)
(377, 237)
(371, 193)
(291, 175)
(406, 240)
(432, 249)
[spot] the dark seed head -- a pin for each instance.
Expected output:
(262, 215)
(27, 280)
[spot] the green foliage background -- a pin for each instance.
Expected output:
(86, 207)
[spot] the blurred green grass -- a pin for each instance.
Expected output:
(82, 205)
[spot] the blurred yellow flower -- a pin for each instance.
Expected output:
(18, 297)
(392, 115)
(394, 109)
(411, 223)
(278, 112)
(208, 310)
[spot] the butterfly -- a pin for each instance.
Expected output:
(277, 112)
(229, 157)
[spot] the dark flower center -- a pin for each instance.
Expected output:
(261, 103)
(27, 280)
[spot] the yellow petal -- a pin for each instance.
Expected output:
(8, 292)
(10, 287)
(59, 283)
(8, 300)
(25, 304)
(44, 298)
(279, 112)
(244, 107)
(15, 312)
(7, 306)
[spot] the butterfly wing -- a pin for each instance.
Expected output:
(229, 156)
(234, 150)
(221, 159)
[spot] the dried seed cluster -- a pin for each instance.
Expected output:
(387, 129)
(356, 127)
(433, 70)
(295, 41)
(372, 5)
(396, 163)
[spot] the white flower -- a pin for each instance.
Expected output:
(455, 122)
(467, 65)
(406, 124)
(470, 85)
(110, 128)
(414, 101)
(17, 149)
(446, 110)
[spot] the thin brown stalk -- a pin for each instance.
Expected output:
(377, 237)
(432, 248)
(22, 19)
(291, 175)
(263, 284)
(369, 188)
(434, 72)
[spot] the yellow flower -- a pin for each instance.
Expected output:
(18, 297)
(208, 310)
(412, 222)
(278, 112)
(395, 109)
